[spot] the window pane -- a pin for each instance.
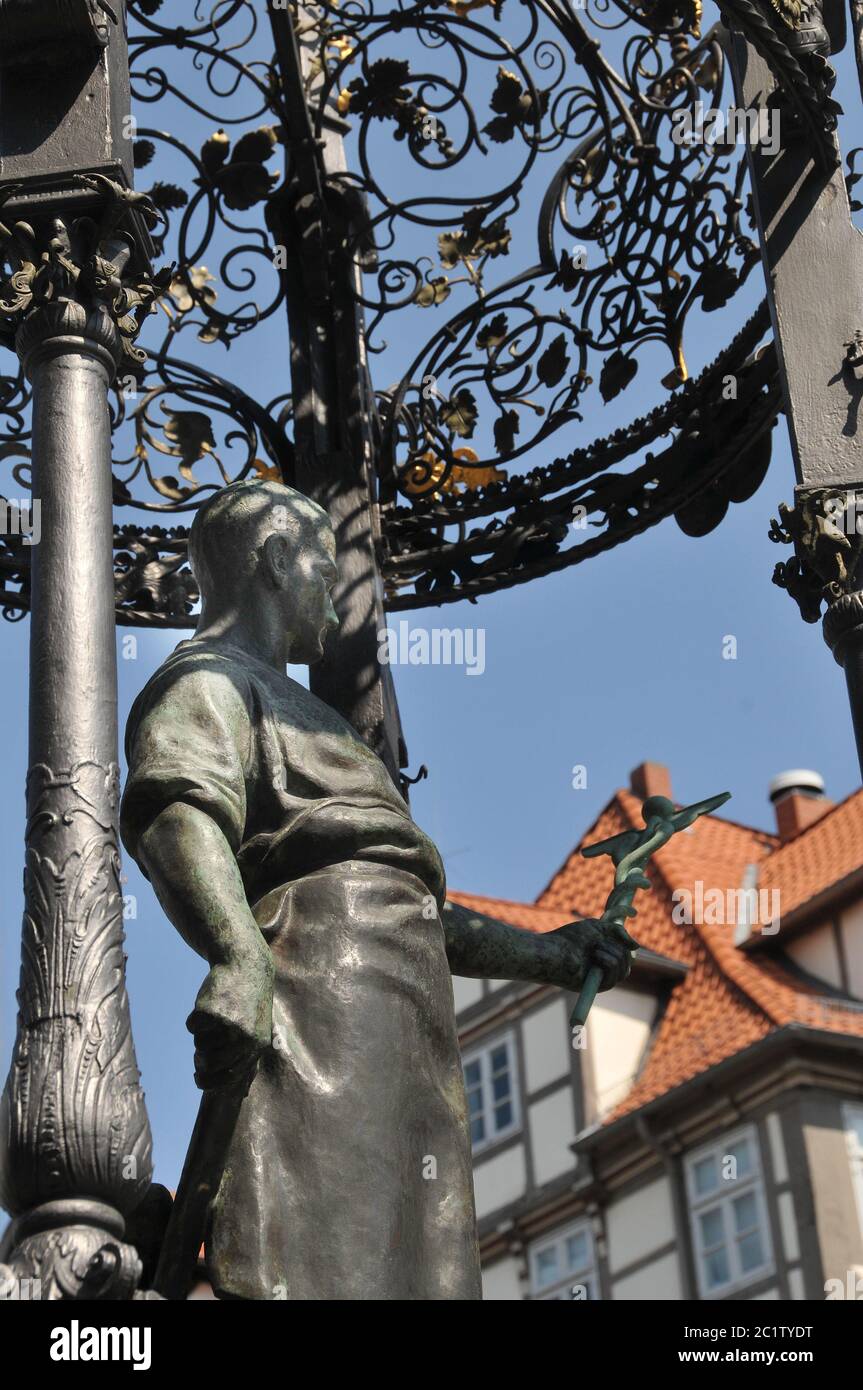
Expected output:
(716, 1268)
(546, 1266)
(502, 1115)
(477, 1129)
(745, 1212)
(576, 1251)
(705, 1175)
(751, 1251)
(471, 1073)
(499, 1059)
(474, 1100)
(712, 1229)
(500, 1086)
(742, 1152)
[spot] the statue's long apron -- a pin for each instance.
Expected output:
(349, 1175)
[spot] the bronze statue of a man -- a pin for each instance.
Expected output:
(283, 854)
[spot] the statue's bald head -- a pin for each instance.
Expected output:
(233, 524)
(264, 557)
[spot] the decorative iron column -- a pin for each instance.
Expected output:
(75, 1142)
(335, 418)
(813, 263)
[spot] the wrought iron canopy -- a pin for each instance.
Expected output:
(527, 236)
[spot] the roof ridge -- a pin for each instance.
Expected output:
(729, 820)
(618, 799)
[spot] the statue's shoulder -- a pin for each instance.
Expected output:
(194, 660)
(194, 672)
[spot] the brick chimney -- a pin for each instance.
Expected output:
(650, 779)
(799, 800)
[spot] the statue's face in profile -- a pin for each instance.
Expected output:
(305, 595)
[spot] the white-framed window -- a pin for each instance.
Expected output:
(728, 1213)
(563, 1266)
(492, 1091)
(853, 1119)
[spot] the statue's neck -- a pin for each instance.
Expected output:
(253, 633)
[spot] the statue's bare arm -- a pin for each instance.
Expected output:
(194, 873)
(483, 948)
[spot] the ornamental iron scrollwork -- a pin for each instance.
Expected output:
(558, 516)
(514, 336)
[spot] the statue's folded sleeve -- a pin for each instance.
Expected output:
(186, 742)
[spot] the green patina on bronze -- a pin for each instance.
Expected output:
(325, 1031)
(630, 852)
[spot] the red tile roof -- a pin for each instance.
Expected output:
(729, 999)
(821, 855)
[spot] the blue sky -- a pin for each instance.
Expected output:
(616, 661)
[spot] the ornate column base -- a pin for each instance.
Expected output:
(70, 1249)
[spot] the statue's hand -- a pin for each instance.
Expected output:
(579, 945)
(233, 1018)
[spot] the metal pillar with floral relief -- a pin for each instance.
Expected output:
(75, 1144)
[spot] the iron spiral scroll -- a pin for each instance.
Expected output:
(554, 244)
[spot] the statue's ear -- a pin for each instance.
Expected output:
(277, 559)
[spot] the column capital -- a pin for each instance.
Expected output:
(64, 325)
(825, 526)
(75, 283)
